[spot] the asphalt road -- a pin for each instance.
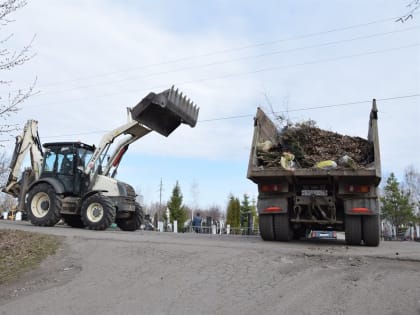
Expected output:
(115, 272)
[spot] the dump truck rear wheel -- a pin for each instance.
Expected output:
(43, 205)
(134, 222)
(266, 227)
(98, 212)
(73, 220)
(370, 226)
(353, 230)
(282, 229)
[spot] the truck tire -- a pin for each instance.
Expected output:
(353, 229)
(282, 230)
(370, 226)
(73, 220)
(98, 212)
(134, 222)
(266, 227)
(43, 205)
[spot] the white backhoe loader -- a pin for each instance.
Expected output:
(76, 182)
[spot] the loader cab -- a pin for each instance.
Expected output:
(65, 163)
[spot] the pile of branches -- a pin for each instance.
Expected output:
(311, 145)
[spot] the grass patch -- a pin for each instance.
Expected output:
(21, 251)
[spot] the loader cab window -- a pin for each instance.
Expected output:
(65, 162)
(84, 157)
(49, 161)
(59, 160)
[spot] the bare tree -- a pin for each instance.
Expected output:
(139, 196)
(6, 202)
(155, 210)
(412, 6)
(9, 60)
(195, 193)
(4, 164)
(411, 186)
(214, 212)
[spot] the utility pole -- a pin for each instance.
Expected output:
(160, 199)
(194, 193)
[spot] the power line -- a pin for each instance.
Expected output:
(235, 60)
(224, 51)
(226, 76)
(307, 63)
(316, 107)
(306, 108)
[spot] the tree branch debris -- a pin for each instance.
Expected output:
(306, 146)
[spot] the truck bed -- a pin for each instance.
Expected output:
(269, 174)
(265, 129)
(313, 179)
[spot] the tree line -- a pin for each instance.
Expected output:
(400, 202)
(239, 214)
(399, 205)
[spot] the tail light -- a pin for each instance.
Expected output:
(357, 189)
(360, 210)
(270, 188)
(273, 209)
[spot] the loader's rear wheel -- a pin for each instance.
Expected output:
(266, 227)
(98, 212)
(73, 220)
(43, 205)
(282, 229)
(134, 222)
(370, 226)
(353, 229)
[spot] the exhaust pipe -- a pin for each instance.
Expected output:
(165, 111)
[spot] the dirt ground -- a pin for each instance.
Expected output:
(114, 272)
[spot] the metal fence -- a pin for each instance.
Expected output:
(214, 229)
(217, 230)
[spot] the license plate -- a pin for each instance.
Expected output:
(316, 192)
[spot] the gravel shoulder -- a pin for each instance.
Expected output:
(114, 272)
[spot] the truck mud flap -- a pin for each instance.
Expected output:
(165, 111)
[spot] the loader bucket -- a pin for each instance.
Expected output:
(165, 111)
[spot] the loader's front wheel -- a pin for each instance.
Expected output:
(98, 212)
(43, 205)
(134, 222)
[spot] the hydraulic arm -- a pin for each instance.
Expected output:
(28, 141)
(162, 112)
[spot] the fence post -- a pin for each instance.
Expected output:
(213, 229)
(160, 226)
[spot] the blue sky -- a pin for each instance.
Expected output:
(95, 58)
